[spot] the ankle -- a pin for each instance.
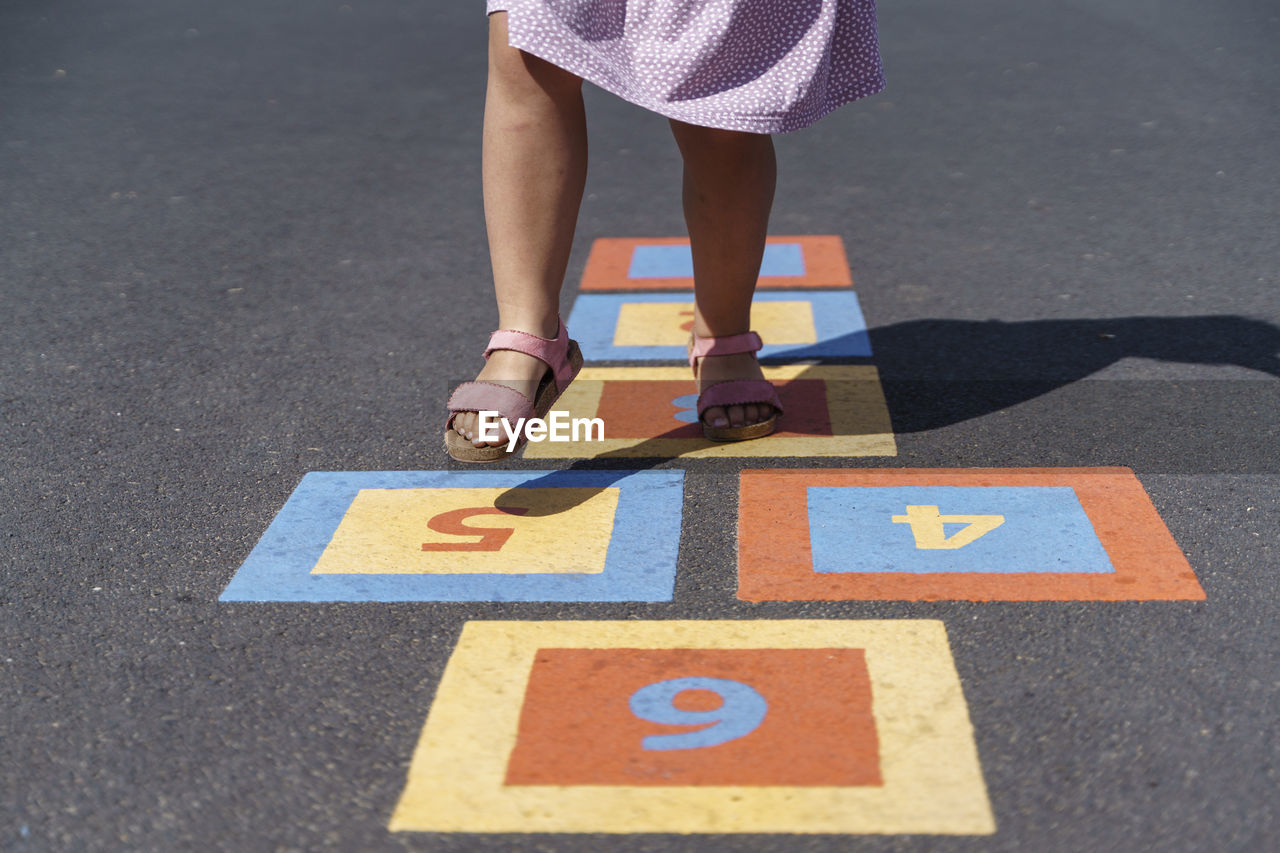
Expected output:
(541, 324)
(702, 329)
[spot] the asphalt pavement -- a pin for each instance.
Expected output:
(244, 241)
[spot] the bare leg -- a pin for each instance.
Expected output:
(534, 168)
(729, 178)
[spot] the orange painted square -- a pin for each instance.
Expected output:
(576, 726)
(643, 408)
(825, 262)
(775, 562)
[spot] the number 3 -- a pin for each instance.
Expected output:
(741, 712)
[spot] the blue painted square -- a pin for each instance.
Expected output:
(780, 259)
(661, 262)
(640, 564)
(837, 317)
(1045, 529)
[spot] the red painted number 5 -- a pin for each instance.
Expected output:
(451, 524)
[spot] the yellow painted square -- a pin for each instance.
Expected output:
(648, 324)
(932, 776)
(561, 531)
(855, 400)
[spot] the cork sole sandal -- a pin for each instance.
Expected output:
(733, 392)
(563, 360)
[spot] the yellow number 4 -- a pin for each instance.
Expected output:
(930, 534)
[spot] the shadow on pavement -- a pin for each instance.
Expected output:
(936, 373)
(941, 372)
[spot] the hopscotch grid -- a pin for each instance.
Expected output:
(455, 780)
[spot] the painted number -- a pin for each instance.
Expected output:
(491, 538)
(741, 711)
(927, 526)
(687, 326)
(686, 408)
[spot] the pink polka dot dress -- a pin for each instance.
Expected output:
(762, 66)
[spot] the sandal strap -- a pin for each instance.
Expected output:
(553, 351)
(727, 345)
(489, 397)
(737, 392)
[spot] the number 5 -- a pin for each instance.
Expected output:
(491, 538)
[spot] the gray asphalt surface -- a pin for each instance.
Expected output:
(243, 241)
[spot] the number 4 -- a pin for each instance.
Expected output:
(928, 527)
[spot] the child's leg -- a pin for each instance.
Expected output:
(534, 168)
(729, 180)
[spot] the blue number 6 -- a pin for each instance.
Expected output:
(741, 712)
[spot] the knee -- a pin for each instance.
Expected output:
(520, 75)
(712, 145)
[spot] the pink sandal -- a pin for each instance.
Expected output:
(733, 392)
(563, 359)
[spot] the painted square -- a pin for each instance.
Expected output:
(493, 757)
(470, 536)
(1000, 534)
(710, 717)
(923, 529)
(780, 259)
(649, 412)
(664, 263)
(460, 531)
(794, 326)
(637, 410)
(668, 323)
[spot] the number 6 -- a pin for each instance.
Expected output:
(740, 713)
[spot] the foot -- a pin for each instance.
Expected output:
(520, 372)
(721, 368)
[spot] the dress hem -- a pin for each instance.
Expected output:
(787, 124)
